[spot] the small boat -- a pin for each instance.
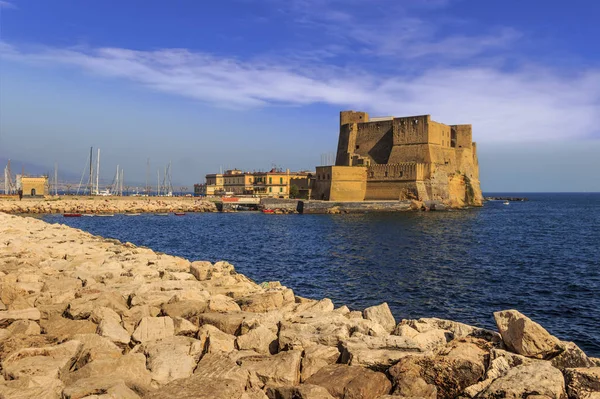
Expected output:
(179, 213)
(268, 211)
(89, 215)
(506, 203)
(161, 214)
(105, 215)
(132, 214)
(72, 215)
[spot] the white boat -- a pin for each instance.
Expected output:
(132, 214)
(506, 203)
(106, 215)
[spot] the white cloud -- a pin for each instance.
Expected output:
(531, 103)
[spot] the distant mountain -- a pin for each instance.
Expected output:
(34, 169)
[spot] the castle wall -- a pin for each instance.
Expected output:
(374, 141)
(463, 135)
(340, 183)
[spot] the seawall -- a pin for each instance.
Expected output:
(82, 316)
(104, 205)
(332, 207)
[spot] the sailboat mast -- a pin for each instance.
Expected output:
(55, 178)
(98, 173)
(91, 170)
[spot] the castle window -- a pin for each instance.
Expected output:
(328, 177)
(372, 174)
(357, 147)
(386, 174)
(400, 174)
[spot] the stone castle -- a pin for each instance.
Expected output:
(390, 158)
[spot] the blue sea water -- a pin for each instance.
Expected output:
(541, 257)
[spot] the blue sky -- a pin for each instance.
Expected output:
(248, 84)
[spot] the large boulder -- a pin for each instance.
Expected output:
(538, 378)
(62, 328)
(104, 375)
(151, 328)
(583, 383)
(112, 330)
(444, 376)
(7, 317)
(50, 362)
(381, 314)
(32, 387)
(267, 300)
(277, 370)
(571, 357)
(526, 337)
(95, 347)
(304, 391)
(172, 358)
(214, 340)
(316, 357)
(349, 382)
(260, 339)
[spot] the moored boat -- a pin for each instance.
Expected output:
(268, 211)
(161, 214)
(179, 213)
(72, 215)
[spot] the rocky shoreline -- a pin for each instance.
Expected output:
(104, 205)
(86, 317)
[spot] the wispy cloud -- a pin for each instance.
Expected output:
(530, 103)
(6, 4)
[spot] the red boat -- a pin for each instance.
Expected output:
(268, 211)
(72, 215)
(179, 213)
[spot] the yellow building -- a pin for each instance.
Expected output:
(214, 184)
(33, 186)
(275, 183)
(236, 182)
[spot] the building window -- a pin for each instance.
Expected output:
(270, 180)
(280, 189)
(386, 174)
(281, 180)
(401, 174)
(357, 147)
(270, 189)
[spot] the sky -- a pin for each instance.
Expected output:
(250, 84)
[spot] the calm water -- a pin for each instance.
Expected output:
(541, 257)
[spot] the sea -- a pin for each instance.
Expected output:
(541, 257)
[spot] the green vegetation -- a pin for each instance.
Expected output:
(469, 192)
(294, 191)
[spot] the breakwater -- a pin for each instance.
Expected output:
(82, 315)
(104, 205)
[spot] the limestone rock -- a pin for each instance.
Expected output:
(63, 329)
(260, 339)
(103, 313)
(215, 340)
(381, 314)
(571, 357)
(458, 330)
(26, 327)
(201, 270)
(81, 308)
(539, 378)
(184, 327)
(231, 323)
(187, 309)
(316, 357)
(32, 387)
(103, 375)
(277, 370)
(304, 391)
(95, 347)
(41, 362)
(265, 301)
(526, 337)
(583, 383)
(222, 303)
(112, 330)
(345, 382)
(151, 328)
(172, 358)
(215, 377)
(7, 317)
(459, 366)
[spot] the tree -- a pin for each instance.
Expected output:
(294, 191)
